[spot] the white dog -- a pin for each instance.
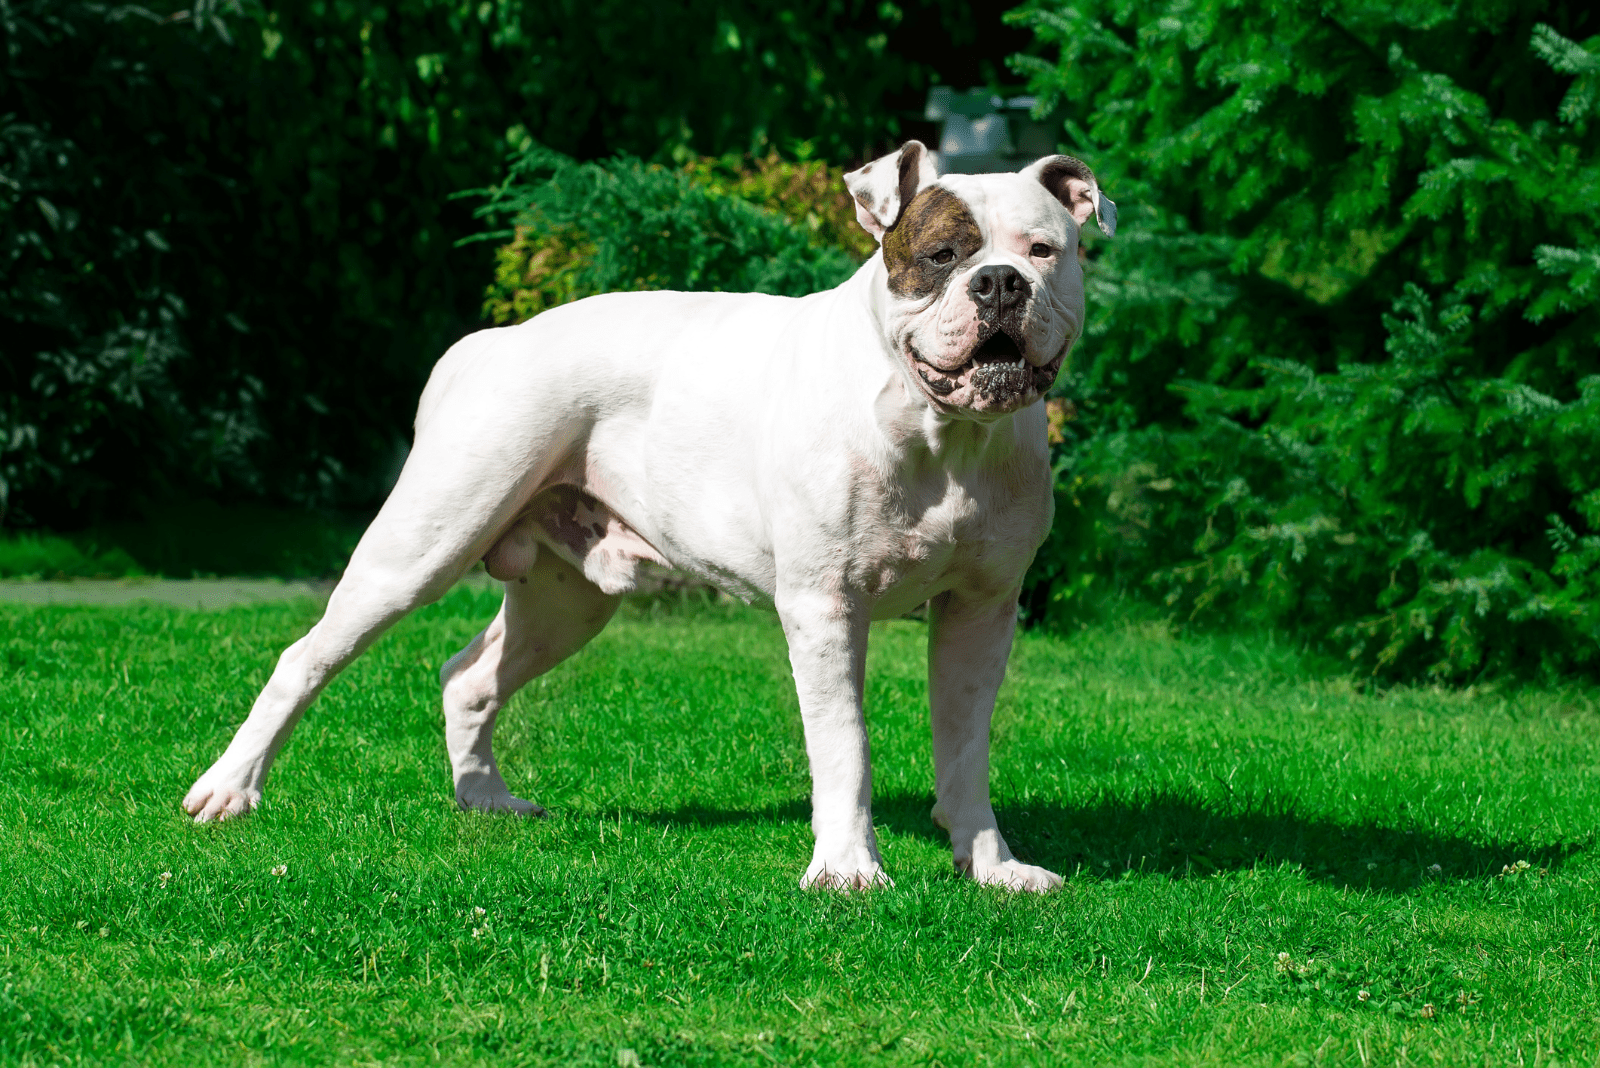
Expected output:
(844, 457)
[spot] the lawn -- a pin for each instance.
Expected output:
(194, 539)
(1265, 865)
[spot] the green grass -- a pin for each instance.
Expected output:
(187, 540)
(1249, 845)
(37, 555)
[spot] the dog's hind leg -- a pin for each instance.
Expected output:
(447, 509)
(360, 610)
(549, 612)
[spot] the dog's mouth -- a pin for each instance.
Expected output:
(1000, 346)
(997, 372)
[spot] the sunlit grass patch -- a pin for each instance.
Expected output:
(1265, 864)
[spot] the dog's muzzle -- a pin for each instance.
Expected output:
(999, 291)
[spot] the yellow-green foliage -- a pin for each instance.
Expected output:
(537, 269)
(544, 264)
(810, 194)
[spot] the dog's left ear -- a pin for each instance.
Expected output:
(1072, 182)
(884, 187)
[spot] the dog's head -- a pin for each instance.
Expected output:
(986, 292)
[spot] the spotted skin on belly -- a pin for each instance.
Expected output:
(579, 529)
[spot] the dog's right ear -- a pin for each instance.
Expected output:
(1072, 182)
(884, 187)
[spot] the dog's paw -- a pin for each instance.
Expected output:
(210, 801)
(1012, 875)
(486, 791)
(858, 869)
(497, 801)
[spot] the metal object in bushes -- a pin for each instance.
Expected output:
(982, 132)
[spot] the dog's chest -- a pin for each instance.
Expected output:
(938, 529)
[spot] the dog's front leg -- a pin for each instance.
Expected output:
(968, 645)
(827, 636)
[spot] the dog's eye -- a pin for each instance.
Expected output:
(943, 256)
(1041, 251)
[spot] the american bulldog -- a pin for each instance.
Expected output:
(843, 457)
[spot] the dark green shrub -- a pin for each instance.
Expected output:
(30, 555)
(94, 357)
(227, 247)
(1342, 373)
(222, 278)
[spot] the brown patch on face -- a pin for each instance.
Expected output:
(935, 222)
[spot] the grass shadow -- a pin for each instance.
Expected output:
(698, 815)
(1181, 838)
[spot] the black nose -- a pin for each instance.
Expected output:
(997, 288)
